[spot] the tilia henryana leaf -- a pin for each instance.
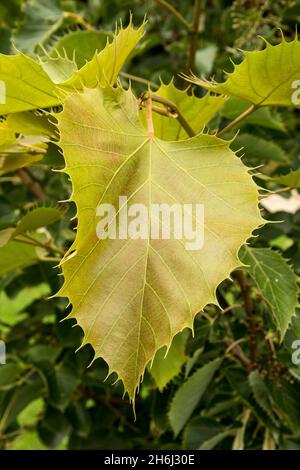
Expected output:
(265, 78)
(196, 111)
(276, 281)
(31, 85)
(131, 296)
(80, 44)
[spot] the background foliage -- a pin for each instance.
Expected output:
(230, 386)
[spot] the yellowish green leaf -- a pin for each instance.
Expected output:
(28, 86)
(132, 296)
(265, 78)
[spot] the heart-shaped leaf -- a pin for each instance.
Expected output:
(132, 296)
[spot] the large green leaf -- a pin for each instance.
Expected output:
(264, 77)
(189, 394)
(276, 281)
(196, 111)
(132, 296)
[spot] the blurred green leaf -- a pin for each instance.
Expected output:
(189, 394)
(41, 19)
(276, 281)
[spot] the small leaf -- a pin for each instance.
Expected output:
(189, 394)
(36, 218)
(5, 235)
(59, 68)
(276, 281)
(28, 440)
(53, 428)
(239, 440)
(201, 431)
(28, 123)
(30, 415)
(20, 398)
(286, 399)
(238, 380)
(9, 374)
(11, 308)
(166, 367)
(257, 149)
(291, 180)
(80, 44)
(61, 380)
(261, 394)
(15, 256)
(15, 161)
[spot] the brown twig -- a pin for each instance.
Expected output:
(230, 307)
(174, 12)
(194, 29)
(33, 186)
(79, 19)
(144, 81)
(237, 120)
(234, 349)
(148, 106)
(172, 111)
(248, 304)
